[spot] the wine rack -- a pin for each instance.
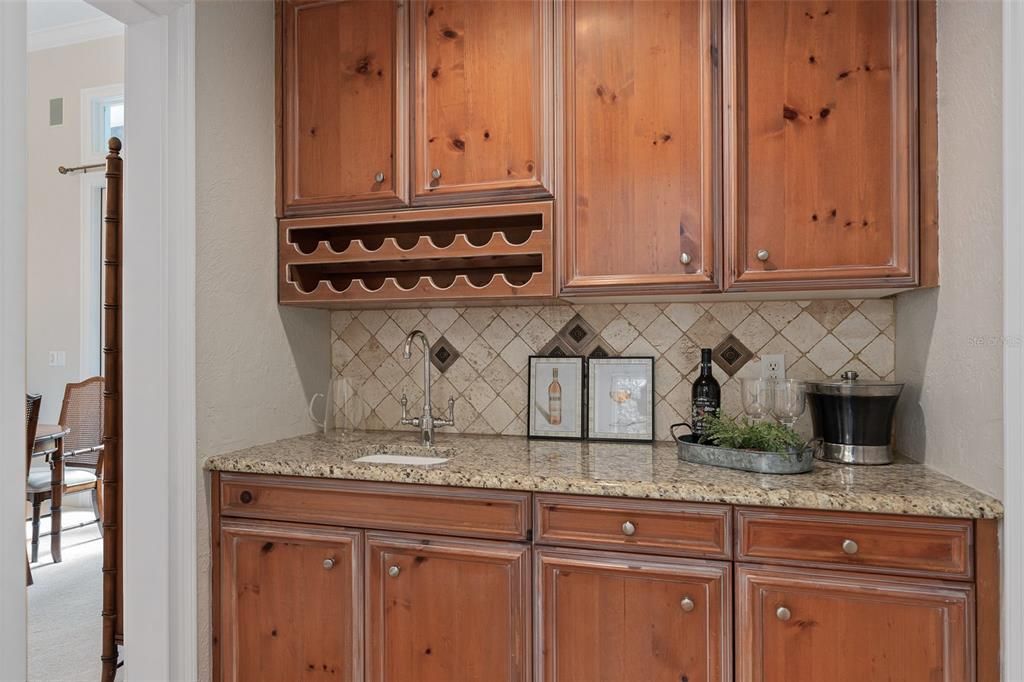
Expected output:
(492, 253)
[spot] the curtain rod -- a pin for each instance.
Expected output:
(64, 170)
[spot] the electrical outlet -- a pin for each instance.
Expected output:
(773, 366)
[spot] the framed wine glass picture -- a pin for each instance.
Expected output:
(556, 398)
(620, 399)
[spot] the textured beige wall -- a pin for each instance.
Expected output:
(257, 364)
(54, 211)
(948, 341)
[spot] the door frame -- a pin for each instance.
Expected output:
(1013, 336)
(160, 469)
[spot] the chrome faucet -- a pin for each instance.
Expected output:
(427, 421)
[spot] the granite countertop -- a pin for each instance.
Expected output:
(614, 470)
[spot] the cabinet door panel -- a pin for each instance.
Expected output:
(843, 627)
(343, 106)
(284, 613)
(610, 616)
(483, 98)
(442, 609)
(823, 157)
(641, 155)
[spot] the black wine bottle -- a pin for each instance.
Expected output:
(706, 396)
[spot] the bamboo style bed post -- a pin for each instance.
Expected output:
(112, 231)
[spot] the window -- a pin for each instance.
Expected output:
(102, 118)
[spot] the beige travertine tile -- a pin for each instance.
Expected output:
(495, 343)
(729, 314)
(778, 313)
(640, 314)
(856, 332)
(829, 355)
(879, 355)
(804, 331)
(881, 312)
(684, 314)
(707, 332)
(829, 313)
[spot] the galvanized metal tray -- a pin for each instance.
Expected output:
(795, 462)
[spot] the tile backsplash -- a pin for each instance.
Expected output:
(484, 351)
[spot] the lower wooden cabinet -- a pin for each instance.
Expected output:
(290, 602)
(443, 609)
(796, 625)
(613, 616)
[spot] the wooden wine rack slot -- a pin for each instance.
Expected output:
(416, 256)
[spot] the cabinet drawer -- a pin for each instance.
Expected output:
(386, 506)
(634, 525)
(866, 542)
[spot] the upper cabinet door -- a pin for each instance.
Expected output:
(640, 154)
(483, 99)
(343, 105)
(820, 129)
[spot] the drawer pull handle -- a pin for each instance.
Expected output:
(245, 497)
(436, 173)
(850, 546)
(393, 571)
(328, 564)
(379, 177)
(782, 613)
(687, 604)
(628, 528)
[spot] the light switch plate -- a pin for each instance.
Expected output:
(58, 358)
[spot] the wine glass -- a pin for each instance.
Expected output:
(789, 401)
(757, 397)
(624, 391)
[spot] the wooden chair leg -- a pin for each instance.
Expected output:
(96, 510)
(36, 504)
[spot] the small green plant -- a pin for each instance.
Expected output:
(741, 435)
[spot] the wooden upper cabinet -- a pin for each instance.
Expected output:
(483, 99)
(800, 625)
(640, 146)
(442, 609)
(821, 137)
(342, 106)
(290, 602)
(609, 616)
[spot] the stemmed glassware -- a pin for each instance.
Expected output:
(784, 399)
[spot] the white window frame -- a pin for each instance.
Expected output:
(93, 101)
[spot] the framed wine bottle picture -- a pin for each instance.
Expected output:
(556, 393)
(620, 399)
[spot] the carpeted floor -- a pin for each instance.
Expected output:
(64, 605)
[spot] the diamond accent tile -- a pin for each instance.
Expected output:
(731, 355)
(443, 355)
(555, 348)
(577, 333)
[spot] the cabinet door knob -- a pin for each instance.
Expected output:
(687, 604)
(850, 546)
(393, 571)
(379, 177)
(684, 258)
(245, 497)
(628, 528)
(436, 173)
(762, 255)
(782, 613)
(328, 564)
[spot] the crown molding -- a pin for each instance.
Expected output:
(71, 34)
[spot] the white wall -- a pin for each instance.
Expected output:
(949, 340)
(257, 364)
(54, 211)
